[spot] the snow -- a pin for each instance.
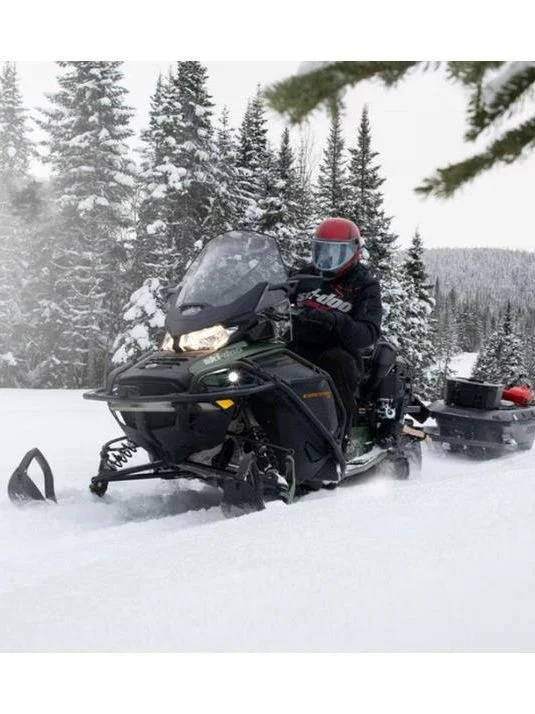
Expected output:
(506, 73)
(306, 67)
(124, 179)
(155, 227)
(463, 364)
(87, 204)
(441, 562)
(9, 359)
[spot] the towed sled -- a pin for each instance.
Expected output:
(485, 420)
(226, 401)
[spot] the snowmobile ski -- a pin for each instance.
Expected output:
(21, 489)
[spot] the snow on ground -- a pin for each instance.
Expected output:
(444, 561)
(463, 364)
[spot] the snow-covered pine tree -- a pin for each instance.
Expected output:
(181, 180)
(279, 206)
(502, 359)
(365, 200)
(415, 269)
(226, 202)
(306, 213)
(469, 325)
(444, 337)
(295, 192)
(154, 249)
(331, 194)
(363, 203)
(17, 208)
(92, 178)
(15, 147)
(177, 175)
(194, 180)
(256, 165)
(419, 326)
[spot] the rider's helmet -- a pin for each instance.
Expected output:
(336, 246)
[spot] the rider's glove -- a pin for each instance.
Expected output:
(323, 319)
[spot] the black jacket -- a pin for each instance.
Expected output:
(355, 299)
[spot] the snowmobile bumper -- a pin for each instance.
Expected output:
(166, 402)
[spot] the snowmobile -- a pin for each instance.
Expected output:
(482, 419)
(226, 401)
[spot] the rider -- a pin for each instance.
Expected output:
(343, 316)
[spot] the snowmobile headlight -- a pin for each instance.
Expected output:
(168, 343)
(211, 338)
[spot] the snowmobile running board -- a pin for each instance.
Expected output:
(21, 489)
(361, 464)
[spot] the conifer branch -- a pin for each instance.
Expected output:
(299, 95)
(446, 181)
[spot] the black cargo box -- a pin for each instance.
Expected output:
(473, 394)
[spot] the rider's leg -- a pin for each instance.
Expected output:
(344, 370)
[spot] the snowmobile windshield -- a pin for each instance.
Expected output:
(228, 267)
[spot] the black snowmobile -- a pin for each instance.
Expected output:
(225, 401)
(481, 419)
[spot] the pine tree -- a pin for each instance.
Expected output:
(306, 210)
(18, 204)
(365, 200)
(331, 192)
(178, 173)
(256, 166)
(279, 205)
(502, 359)
(444, 338)
(15, 148)
(92, 178)
(181, 177)
(227, 202)
(194, 156)
(418, 320)
(415, 269)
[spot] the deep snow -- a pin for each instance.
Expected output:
(444, 561)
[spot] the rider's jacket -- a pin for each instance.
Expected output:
(355, 297)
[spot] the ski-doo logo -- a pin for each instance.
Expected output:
(228, 353)
(329, 300)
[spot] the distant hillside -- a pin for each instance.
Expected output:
(490, 274)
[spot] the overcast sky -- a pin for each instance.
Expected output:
(416, 127)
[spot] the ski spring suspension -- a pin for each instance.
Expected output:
(265, 450)
(116, 453)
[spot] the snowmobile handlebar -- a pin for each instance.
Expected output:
(296, 284)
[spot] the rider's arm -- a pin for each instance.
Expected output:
(362, 327)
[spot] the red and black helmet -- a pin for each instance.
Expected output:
(336, 246)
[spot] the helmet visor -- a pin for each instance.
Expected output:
(328, 255)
